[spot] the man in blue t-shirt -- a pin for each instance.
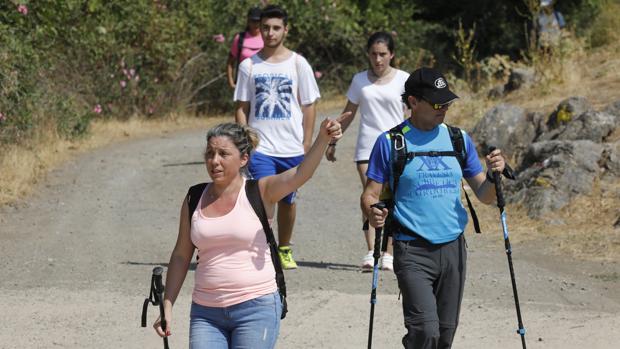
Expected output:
(429, 219)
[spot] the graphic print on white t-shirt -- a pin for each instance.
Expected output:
(277, 92)
(274, 93)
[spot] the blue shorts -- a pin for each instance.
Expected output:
(262, 165)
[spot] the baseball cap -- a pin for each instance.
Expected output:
(254, 14)
(429, 84)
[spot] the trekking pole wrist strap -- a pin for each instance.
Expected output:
(490, 177)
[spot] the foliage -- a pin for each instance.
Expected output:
(605, 29)
(63, 63)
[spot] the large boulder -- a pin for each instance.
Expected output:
(591, 125)
(568, 110)
(553, 172)
(613, 109)
(507, 127)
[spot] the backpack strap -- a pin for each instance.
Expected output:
(193, 197)
(239, 48)
(399, 156)
(458, 144)
(253, 193)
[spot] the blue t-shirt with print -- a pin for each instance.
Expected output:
(428, 198)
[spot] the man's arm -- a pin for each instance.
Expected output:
(370, 196)
(242, 112)
(309, 113)
(482, 187)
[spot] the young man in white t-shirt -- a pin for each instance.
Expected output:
(275, 95)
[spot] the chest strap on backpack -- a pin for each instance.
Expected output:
(401, 157)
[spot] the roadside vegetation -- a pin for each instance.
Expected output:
(75, 75)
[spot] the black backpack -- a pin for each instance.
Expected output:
(239, 48)
(400, 158)
(253, 193)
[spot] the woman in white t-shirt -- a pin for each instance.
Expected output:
(376, 92)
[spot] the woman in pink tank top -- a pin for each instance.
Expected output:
(235, 302)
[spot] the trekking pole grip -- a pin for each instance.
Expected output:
(378, 231)
(497, 180)
(497, 177)
(159, 295)
(157, 273)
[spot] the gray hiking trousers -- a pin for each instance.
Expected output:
(431, 278)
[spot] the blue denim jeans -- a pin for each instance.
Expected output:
(253, 324)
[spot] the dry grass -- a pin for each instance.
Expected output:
(25, 165)
(584, 229)
(330, 104)
(593, 74)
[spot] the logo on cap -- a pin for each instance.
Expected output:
(440, 83)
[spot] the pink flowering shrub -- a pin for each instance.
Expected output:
(23, 9)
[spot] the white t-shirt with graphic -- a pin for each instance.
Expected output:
(380, 106)
(276, 92)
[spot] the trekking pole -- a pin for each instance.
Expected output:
(156, 296)
(375, 274)
(500, 204)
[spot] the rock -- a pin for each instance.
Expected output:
(506, 127)
(552, 173)
(610, 159)
(520, 77)
(496, 92)
(567, 110)
(591, 125)
(613, 109)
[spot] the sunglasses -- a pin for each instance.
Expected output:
(437, 106)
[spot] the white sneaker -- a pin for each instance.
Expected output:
(368, 261)
(387, 262)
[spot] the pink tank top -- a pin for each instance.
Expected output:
(251, 45)
(234, 263)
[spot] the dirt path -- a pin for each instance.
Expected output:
(76, 259)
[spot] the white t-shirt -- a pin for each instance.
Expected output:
(380, 106)
(275, 91)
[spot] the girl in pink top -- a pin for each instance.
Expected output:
(235, 299)
(252, 43)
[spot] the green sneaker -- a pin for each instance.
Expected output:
(286, 257)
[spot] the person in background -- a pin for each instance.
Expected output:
(550, 24)
(376, 92)
(276, 94)
(245, 44)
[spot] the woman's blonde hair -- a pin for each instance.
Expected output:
(242, 136)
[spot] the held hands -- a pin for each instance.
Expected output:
(330, 153)
(495, 162)
(330, 130)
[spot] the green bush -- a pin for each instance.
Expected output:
(63, 63)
